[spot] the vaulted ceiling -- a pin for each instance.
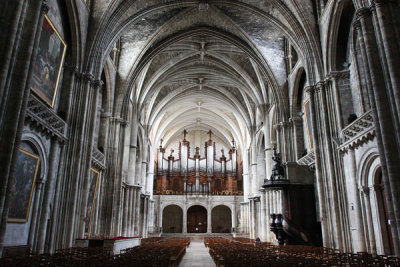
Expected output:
(203, 64)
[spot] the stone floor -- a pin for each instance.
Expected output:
(197, 256)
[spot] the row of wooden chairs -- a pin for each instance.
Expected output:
(240, 252)
(75, 256)
(151, 240)
(164, 252)
(153, 252)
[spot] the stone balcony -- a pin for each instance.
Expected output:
(358, 132)
(42, 117)
(98, 158)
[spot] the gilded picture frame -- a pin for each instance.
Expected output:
(48, 64)
(308, 124)
(94, 181)
(23, 188)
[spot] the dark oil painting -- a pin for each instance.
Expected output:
(22, 189)
(94, 179)
(49, 60)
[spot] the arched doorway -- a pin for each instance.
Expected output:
(172, 219)
(197, 219)
(221, 219)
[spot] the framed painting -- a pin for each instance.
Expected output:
(94, 180)
(49, 61)
(307, 118)
(22, 189)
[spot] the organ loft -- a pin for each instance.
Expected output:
(197, 174)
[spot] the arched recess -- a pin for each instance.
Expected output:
(382, 213)
(197, 219)
(105, 104)
(27, 196)
(221, 219)
(374, 208)
(172, 219)
(301, 145)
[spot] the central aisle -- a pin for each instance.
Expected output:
(197, 255)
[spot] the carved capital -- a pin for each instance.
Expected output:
(364, 190)
(320, 86)
(296, 120)
(357, 24)
(98, 84)
(277, 126)
(88, 77)
(284, 124)
(105, 115)
(309, 89)
(45, 8)
(363, 12)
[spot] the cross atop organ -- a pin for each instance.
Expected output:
(200, 174)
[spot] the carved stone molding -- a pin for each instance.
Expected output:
(345, 74)
(308, 159)
(362, 13)
(358, 132)
(98, 159)
(44, 119)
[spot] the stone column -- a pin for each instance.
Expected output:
(368, 214)
(254, 178)
(384, 125)
(145, 215)
(144, 167)
(93, 87)
(132, 149)
(137, 211)
(285, 141)
(209, 226)
(338, 108)
(268, 211)
(278, 129)
(263, 218)
(131, 221)
(389, 46)
(160, 214)
(36, 202)
(352, 191)
(48, 193)
(246, 182)
(126, 206)
(268, 147)
(319, 178)
(150, 175)
(13, 109)
(184, 218)
(252, 218)
(10, 49)
(233, 215)
(330, 167)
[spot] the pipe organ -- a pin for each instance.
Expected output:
(197, 174)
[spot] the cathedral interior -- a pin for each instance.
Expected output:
(273, 119)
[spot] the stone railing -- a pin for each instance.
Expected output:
(359, 131)
(308, 159)
(45, 119)
(98, 158)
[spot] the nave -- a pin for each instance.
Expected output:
(203, 251)
(123, 120)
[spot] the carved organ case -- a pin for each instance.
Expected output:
(197, 174)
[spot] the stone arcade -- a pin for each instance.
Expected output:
(145, 118)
